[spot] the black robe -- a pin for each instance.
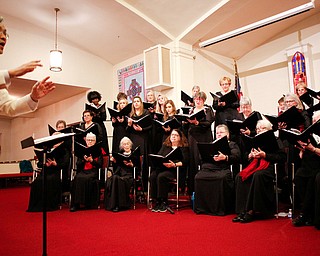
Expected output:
(229, 111)
(54, 191)
(117, 192)
(214, 186)
(257, 191)
(198, 133)
(85, 186)
(305, 181)
(161, 177)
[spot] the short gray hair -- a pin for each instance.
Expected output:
(245, 101)
(123, 140)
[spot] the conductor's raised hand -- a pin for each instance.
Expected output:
(41, 89)
(25, 68)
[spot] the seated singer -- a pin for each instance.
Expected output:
(214, 188)
(118, 186)
(161, 176)
(84, 189)
(254, 184)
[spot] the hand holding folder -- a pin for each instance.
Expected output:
(196, 116)
(209, 150)
(174, 156)
(228, 98)
(265, 141)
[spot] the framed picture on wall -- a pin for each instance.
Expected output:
(131, 80)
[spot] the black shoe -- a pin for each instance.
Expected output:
(156, 207)
(247, 218)
(73, 209)
(317, 227)
(163, 207)
(238, 218)
(116, 209)
(301, 221)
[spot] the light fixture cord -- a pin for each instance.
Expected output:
(56, 34)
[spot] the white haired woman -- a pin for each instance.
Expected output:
(118, 186)
(84, 191)
(254, 184)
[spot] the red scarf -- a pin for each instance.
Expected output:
(254, 166)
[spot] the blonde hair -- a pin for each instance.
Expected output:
(292, 96)
(225, 78)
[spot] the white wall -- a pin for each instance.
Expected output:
(264, 72)
(79, 68)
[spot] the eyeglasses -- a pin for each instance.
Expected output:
(289, 101)
(173, 134)
(90, 140)
(5, 34)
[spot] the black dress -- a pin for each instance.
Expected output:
(198, 133)
(84, 190)
(161, 177)
(119, 131)
(229, 111)
(117, 192)
(305, 181)
(257, 191)
(100, 115)
(140, 138)
(53, 183)
(214, 187)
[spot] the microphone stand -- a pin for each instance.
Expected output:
(44, 205)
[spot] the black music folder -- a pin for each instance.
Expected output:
(198, 116)
(143, 122)
(292, 117)
(92, 128)
(266, 141)
(185, 98)
(123, 112)
(174, 156)
(147, 105)
(228, 98)
(120, 157)
(306, 98)
(209, 150)
(81, 150)
(293, 135)
(95, 109)
(313, 108)
(312, 93)
(172, 123)
(186, 110)
(250, 122)
(52, 130)
(50, 154)
(158, 116)
(115, 104)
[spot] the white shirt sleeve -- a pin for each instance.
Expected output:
(5, 78)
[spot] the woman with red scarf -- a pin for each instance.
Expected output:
(84, 191)
(254, 184)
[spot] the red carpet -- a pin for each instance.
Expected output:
(141, 232)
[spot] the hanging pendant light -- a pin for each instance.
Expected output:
(56, 55)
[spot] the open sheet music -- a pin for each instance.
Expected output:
(158, 160)
(210, 149)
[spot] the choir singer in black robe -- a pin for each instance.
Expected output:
(214, 187)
